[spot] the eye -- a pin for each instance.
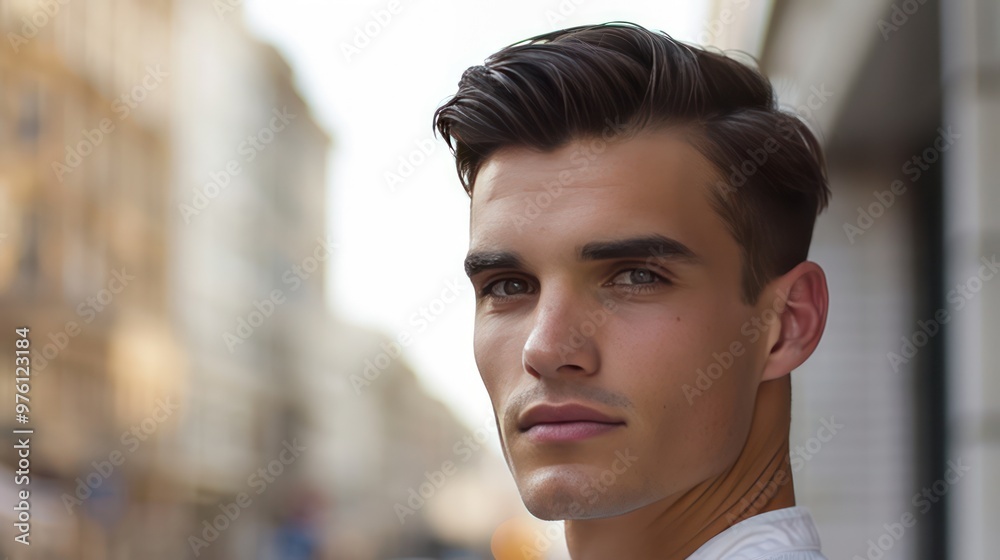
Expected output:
(505, 288)
(638, 279)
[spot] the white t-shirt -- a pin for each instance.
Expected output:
(782, 534)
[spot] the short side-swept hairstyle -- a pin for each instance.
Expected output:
(619, 78)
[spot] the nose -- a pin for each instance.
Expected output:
(563, 337)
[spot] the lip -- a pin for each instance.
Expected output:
(565, 422)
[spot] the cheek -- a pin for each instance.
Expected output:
(498, 357)
(697, 428)
(663, 358)
(658, 348)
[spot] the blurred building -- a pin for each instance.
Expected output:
(251, 244)
(84, 119)
(905, 97)
(162, 233)
(247, 204)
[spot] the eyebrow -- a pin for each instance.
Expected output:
(481, 261)
(656, 246)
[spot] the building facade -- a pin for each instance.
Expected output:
(904, 95)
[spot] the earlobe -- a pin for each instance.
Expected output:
(801, 318)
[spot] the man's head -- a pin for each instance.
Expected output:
(641, 215)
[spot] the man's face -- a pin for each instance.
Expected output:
(608, 281)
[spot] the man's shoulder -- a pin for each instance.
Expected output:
(782, 534)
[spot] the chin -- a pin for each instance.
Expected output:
(561, 492)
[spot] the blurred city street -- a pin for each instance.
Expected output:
(234, 357)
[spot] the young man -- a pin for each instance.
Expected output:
(641, 214)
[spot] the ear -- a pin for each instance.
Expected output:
(800, 299)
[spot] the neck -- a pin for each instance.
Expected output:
(759, 481)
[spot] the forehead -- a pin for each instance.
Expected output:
(654, 182)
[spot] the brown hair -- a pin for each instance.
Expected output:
(586, 81)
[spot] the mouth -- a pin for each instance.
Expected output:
(547, 423)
